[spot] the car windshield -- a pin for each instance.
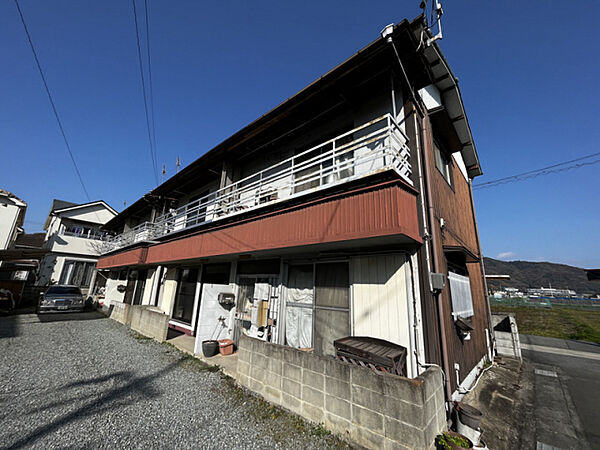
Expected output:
(63, 290)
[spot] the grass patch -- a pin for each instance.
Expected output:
(562, 323)
(192, 361)
(139, 337)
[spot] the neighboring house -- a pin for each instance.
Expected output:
(12, 216)
(346, 210)
(24, 256)
(73, 241)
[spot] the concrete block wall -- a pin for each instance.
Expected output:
(372, 409)
(149, 321)
(120, 312)
(506, 334)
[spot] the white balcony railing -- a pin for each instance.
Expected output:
(373, 147)
(86, 234)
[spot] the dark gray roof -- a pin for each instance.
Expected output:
(60, 204)
(11, 195)
(31, 240)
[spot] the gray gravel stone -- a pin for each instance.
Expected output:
(85, 381)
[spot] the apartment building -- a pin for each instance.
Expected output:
(346, 210)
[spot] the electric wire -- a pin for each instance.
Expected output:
(139, 49)
(554, 168)
(60, 126)
(150, 81)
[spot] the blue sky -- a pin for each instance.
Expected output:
(528, 73)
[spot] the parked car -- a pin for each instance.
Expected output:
(61, 298)
(7, 302)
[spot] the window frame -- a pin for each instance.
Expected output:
(179, 277)
(443, 158)
(87, 267)
(313, 306)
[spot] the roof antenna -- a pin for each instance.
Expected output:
(437, 9)
(177, 164)
(164, 172)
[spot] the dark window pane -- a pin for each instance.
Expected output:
(332, 285)
(216, 273)
(63, 290)
(140, 285)
(260, 267)
(184, 298)
(329, 326)
(64, 276)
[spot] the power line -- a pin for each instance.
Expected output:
(150, 81)
(137, 35)
(555, 168)
(60, 126)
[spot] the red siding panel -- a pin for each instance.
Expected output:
(390, 210)
(127, 258)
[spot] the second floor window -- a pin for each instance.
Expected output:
(442, 162)
(83, 231)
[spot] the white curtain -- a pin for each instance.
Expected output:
(298, 325)
(460, 291)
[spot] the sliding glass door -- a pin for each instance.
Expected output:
(187, 283)
(317, 306)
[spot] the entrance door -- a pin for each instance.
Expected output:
(213, 318)
(130, 288)
(140, 285)
(257, 307)
(187, 283)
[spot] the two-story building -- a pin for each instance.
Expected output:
(73, 242)
(346, 210)
(12, 216)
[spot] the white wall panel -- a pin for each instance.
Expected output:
(380, 298)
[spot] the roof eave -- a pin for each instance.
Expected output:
(447, 84)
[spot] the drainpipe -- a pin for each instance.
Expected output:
(434, 259)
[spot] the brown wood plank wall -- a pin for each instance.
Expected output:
(453, 204)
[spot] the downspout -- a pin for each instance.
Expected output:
(482, 267)
(434, 259)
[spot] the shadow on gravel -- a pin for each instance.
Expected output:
(68, 316)
(130, 391)
(9, 328)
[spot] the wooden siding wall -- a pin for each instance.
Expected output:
(453, 204)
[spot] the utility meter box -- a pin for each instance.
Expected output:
(438, 281)
(226, 299)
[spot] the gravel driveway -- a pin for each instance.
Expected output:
(81, 380)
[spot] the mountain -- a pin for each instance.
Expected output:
(526, 274)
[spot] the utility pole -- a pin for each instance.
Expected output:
(177, 165)
(164, 172)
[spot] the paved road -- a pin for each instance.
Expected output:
(84, 381)
(578, 366)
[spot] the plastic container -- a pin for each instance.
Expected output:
(210, 348)
(465, 430)
(225, 347)
(469, 415)
(481, 446)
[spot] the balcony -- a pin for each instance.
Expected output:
(85, 234)
(376, 146)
